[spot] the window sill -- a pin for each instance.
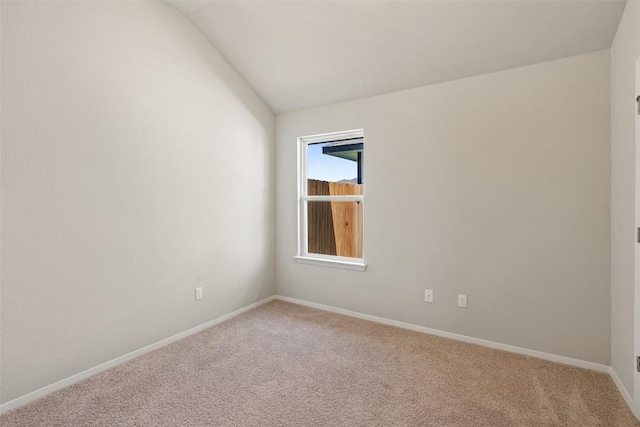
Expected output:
(335, 263)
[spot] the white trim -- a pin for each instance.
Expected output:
(23, 400)
(343, 259)
(331, 262)
(332, 136)
(623, 391)
(491, 344)
(303, 256)
(29, 397)
(333, 198)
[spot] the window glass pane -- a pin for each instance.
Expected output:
(335, 168)
(335, 228)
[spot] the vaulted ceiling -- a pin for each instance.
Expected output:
(302, 54)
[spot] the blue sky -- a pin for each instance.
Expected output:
(328, 168)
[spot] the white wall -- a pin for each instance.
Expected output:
(136, 165)
(637, 252)
(637, 256)
(624, 51)
(494, 186)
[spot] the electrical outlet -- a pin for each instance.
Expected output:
(428, 295)
(198, 294)
(462, 301)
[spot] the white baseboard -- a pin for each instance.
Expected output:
(491, 344)
(23, 400)
(623, 391)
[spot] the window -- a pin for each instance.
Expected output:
(331, 199)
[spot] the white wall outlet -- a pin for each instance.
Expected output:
(428, 295)
(462, 301)
(198, 294)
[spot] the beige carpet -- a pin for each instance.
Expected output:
(287, 365)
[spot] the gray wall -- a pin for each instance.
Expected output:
(494, 186)
(624, 52)
(136, 166)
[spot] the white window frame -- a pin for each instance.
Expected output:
(303, 255)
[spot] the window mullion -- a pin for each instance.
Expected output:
(354, 198)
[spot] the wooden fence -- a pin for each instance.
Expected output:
(335, 228)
